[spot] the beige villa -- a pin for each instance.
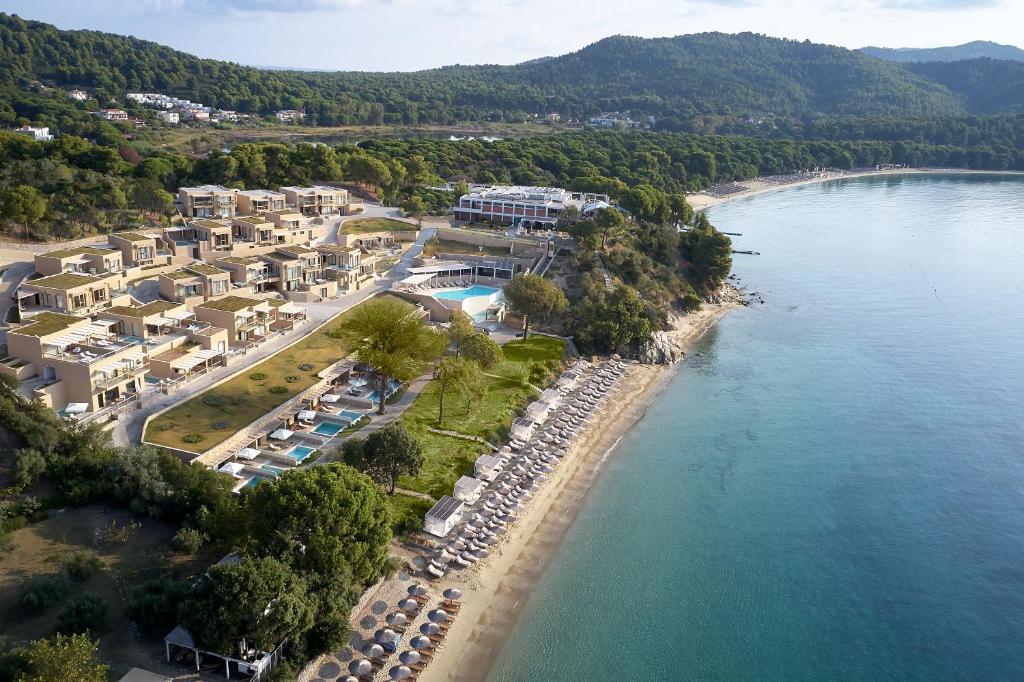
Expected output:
(317, 200)
(194, 284)
(207, 201)
(72, 292)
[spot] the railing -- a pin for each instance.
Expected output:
(131, 374)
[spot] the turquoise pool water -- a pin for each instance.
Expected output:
(350, 415)
(463, 294)
(329, 429)
(299, 453)
(271, 469)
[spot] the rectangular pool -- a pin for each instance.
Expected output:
(272, 470)
(329, 429)
(463, 294)
(351, 416)
(299, 453)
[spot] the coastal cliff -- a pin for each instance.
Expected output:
(669, 346)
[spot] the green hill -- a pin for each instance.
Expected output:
(973, 50)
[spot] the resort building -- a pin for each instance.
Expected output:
(78, 95)
(290, 115)
(253, 201)
(248, 273)
(89, 260)
(317, 200)
(139, 249)
(247, 321)
(469, 489)
(528, 207)
(72, 292)
(169, 116)
(487, 467)
(207, 201)
(113, 114)
(194, 284)
(80, 363)
(37, 134)
(345, 266)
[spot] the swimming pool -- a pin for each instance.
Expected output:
(351, 416)
(329, 429)
(272, 470)
(299, 453)
(463, 294)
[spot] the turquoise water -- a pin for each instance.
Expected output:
(299, 453)
(463, 294)
(352, 416)
(329, 429)
(270, 468)
(833, 486)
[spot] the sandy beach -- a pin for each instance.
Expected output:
(495, 589)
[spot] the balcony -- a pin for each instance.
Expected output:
(99, 385)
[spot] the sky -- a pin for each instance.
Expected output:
(404, 35)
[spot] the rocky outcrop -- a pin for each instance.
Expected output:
(661, 349)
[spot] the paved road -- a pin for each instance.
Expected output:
(9, 281)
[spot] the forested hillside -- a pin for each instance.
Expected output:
(673, 79)
(973, 50)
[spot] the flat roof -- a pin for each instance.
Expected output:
(65, 280)
(46, 323)
(240, 260)
(204, 188)
(336, 248)
(78, 251)
(446, 507)
(231, 304)
(152, 308)
(134, 236)
(211, 224)
(253, 219)
(296, 248)
(257, 193)
(206, 269)
(179, 274)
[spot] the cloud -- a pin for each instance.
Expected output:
(272, 6)
(930, 5)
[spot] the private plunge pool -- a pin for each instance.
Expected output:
(300, 452)
(463, 294)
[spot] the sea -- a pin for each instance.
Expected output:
(832, 486)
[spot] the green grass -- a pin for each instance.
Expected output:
(452, 246)
(364, 225)
(505, 394)
(407, 512)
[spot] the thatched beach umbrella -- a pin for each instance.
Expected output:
(430, 629)
(399, 672)
(385, 636)
(360, 666)
(411, 657)
(438, 616)
(420, 642)
(408, 605)
(417, 590)
(373, 651)
(398, 620)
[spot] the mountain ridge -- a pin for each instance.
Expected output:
(974, 49)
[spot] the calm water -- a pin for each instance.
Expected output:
(833, 487)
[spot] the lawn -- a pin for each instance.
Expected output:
(452, 246)
(40, 548)
(364, 225)
(407, 512)
(506, 392)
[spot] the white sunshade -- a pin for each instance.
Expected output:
(76, 408)
(179, 314)
(165, 322)
(233, 468)
(443, 266)
(412, 280)
(101, 326)
(248, 453)
(290, 309)
(307, 415)
(282, 434)
(330, 397)
(69, 338)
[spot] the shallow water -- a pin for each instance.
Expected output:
(833, 486)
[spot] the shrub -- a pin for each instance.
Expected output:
(188, 540)
(82, 565)
(192, 437)
(85, 612)
(213, 400)
(278, 389)
(30, 466)
(40, 592)
(306, 367)
(291, 378)
(220, 426)
(153, 606)
(257, 376)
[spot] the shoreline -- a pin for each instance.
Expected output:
(755, 186)
(495, 590)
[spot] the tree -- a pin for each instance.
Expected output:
(613, 322)
(450, 376)
(533, 298)
(415, 207)
(153, 605)
(482, 349)
(389, 335)
(255, 602)
(392, 452)
(29, 467)
(87, 612)
(707, 252)
(64, 658)
(22, 205)
(460, 328)
(330, 521)
(607, 221)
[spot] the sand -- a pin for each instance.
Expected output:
(495, 589)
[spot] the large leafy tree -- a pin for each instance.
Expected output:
(392, 452)
(389, 335)
(614, 321)
(482, 349)
(64, 658)
(707, 252)
(534, 299)
(327, 521)
(261, 601)
(450, 376)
